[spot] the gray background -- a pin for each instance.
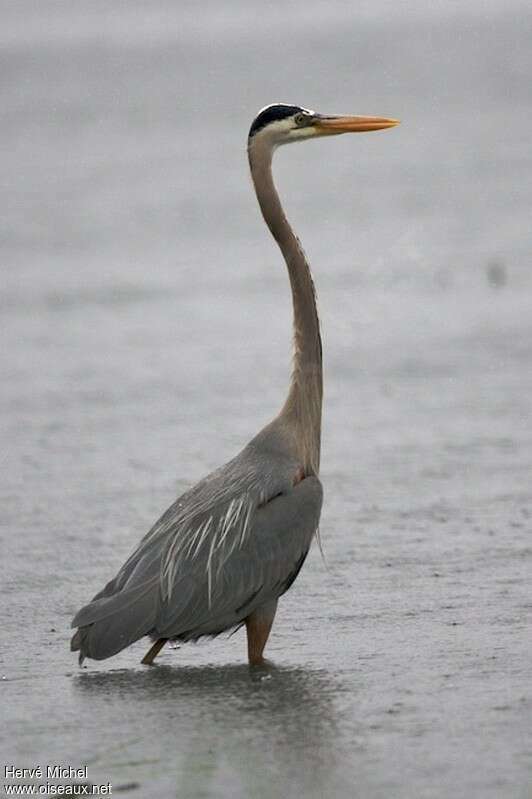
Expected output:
(146, 336)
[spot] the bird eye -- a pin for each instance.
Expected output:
(301, 119)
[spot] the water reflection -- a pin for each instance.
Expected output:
(222, 731)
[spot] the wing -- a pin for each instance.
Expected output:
(187, 546)
(247, 554)
(220, 585)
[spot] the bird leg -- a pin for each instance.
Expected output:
(150, 656)
(258, 626)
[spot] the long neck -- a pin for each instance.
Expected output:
(302, 409)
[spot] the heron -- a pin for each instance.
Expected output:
(225, 551)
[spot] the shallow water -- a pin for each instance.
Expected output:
(145, 339)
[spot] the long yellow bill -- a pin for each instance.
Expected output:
(340, 124)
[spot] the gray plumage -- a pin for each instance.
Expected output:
(212, 558)
(228, 548)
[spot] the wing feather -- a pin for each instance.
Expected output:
(227, 578)
(213, 555)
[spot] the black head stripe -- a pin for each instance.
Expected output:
(272, 113)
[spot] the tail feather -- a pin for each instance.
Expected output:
(99, 609)
(108, 625)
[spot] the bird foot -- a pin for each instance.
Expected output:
(261, 663)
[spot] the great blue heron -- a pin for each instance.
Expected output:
(227, 549)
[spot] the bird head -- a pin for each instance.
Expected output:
(281, 124)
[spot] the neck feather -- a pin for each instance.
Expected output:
(302, 409)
